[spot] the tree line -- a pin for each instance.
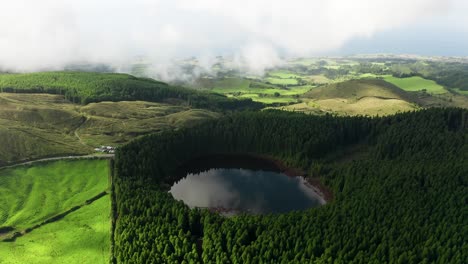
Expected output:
(89, 87)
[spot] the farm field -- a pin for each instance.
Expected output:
(80, 237)
(416, 83)
(41, 191)
(279, 89)
(282, 81)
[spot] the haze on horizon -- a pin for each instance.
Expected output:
(50, 34)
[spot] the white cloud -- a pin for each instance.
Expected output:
(51, 33)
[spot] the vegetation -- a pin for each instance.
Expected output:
(56, 212)
(428, 83)
(358, 89)
(357, 97)
(453, 75)
(416, 83)
(87, 87)
(80, 237)
(314, 86)
(399, 182)
(64, 128)
(38, 192)
(455, 78)
(282, 81)
(274, 90)
(400, 202)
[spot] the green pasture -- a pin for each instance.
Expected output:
(81, 237)
(32, 193)
(416, 83)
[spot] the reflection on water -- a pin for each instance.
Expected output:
(254, 191)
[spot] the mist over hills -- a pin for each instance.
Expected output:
(106, 105)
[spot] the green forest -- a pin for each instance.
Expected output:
(405, 202)
(89, 87)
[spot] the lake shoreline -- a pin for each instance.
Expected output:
(263, 162)
(312, 182)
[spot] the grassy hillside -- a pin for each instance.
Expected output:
(357, 97)
(118, 122)
(354, 90)
(33, 126)
(80, 237)
(87, 87)
(38, 125)
(32, 194)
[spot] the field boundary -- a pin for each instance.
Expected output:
(56, 158)
(112, 259)
(54, 218)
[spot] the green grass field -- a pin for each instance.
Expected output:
(416, 83)
(80, 237)
(40, 191)
(31, 194)
(282, 81)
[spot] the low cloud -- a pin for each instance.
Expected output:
(50, 34)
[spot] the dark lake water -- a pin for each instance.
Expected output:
(247, 185)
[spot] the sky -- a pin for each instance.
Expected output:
(49, 34)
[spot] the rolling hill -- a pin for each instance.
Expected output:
(357, 97)
(62, 113)
(355, 90)
(371, 97)
(41, 125)
(88, 87)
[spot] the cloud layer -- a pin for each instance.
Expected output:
(49, 34)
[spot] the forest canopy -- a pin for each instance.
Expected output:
(88, 87)
(404, 202)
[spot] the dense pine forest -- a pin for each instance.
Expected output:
(402, 199)
(89, 87)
